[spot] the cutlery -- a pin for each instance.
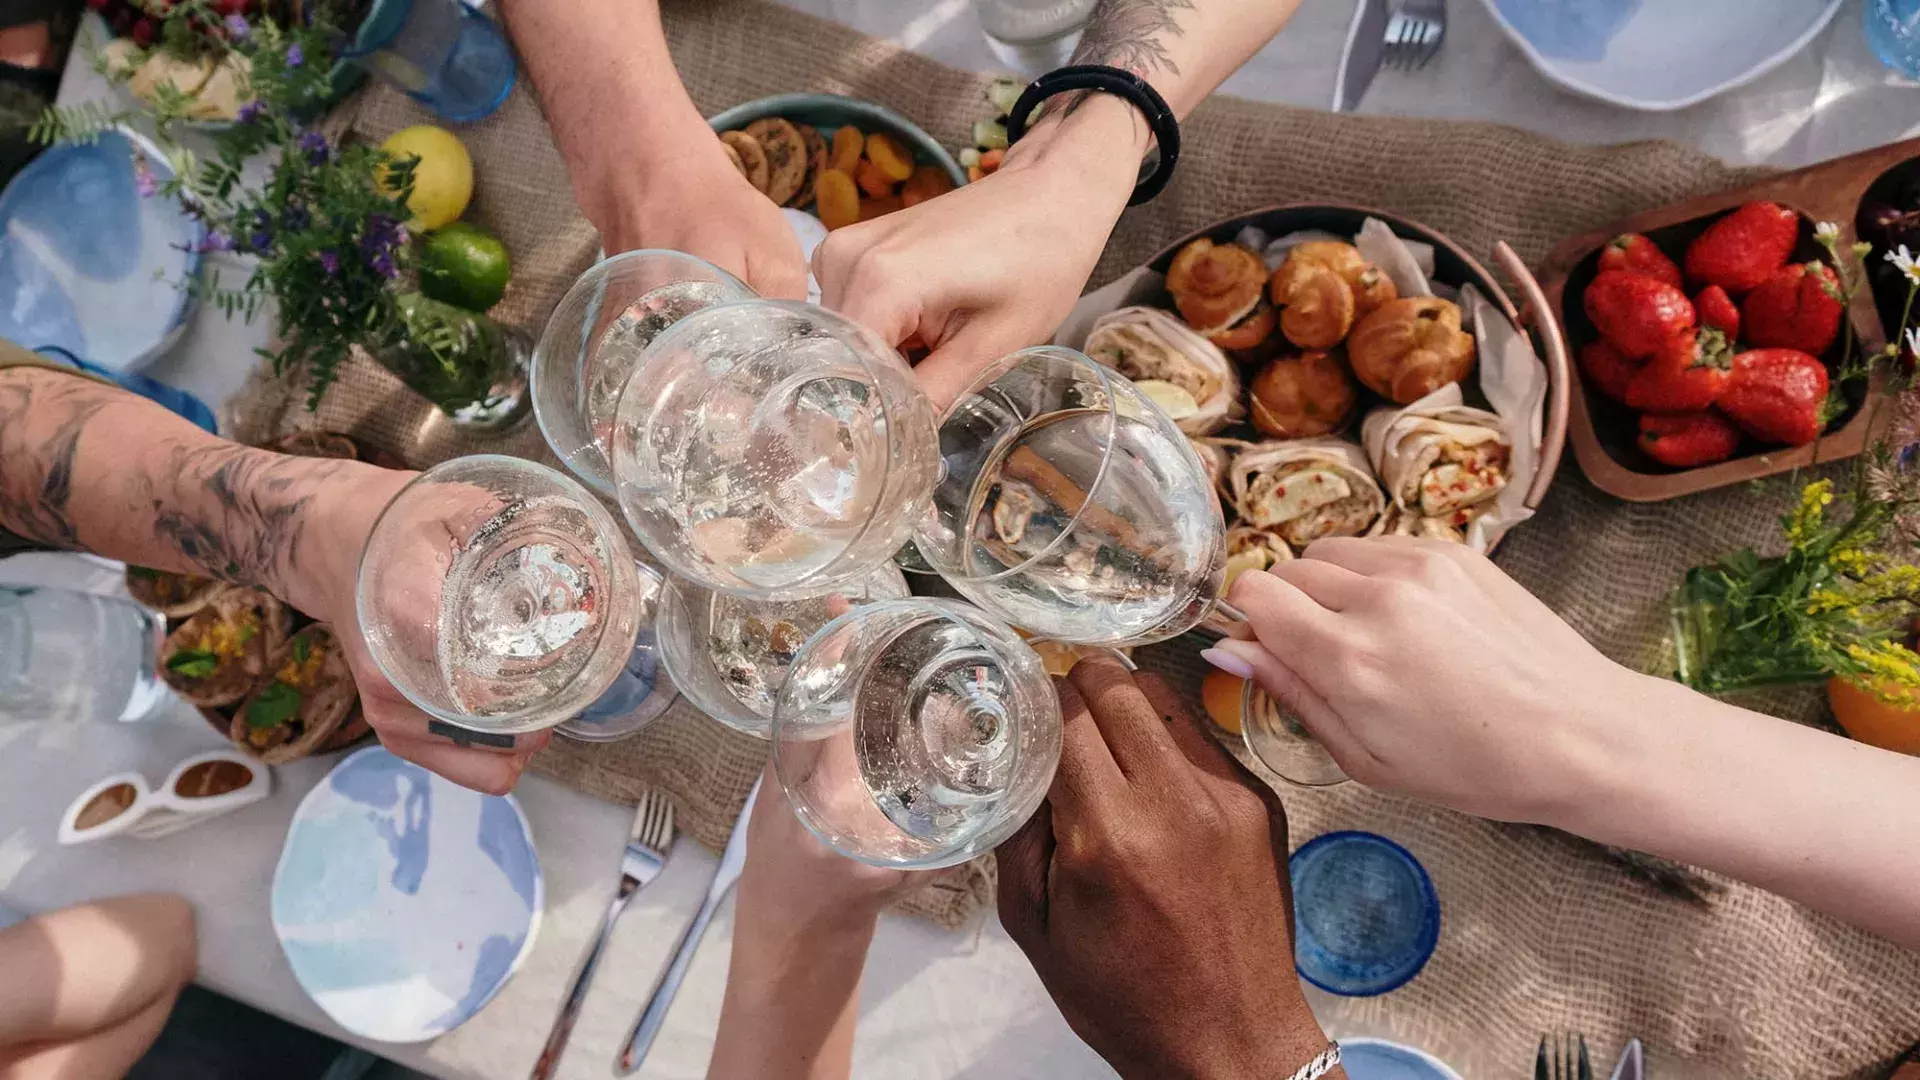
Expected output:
(1414, 34)
(1366, 48)
(655, 1014)
(648, 846)
(1568, 1060)
(1633, 1063)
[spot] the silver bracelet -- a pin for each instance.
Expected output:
(1320, 1066)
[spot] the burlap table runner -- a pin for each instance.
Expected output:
(1537, 936)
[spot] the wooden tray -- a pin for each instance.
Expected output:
(1602, 431)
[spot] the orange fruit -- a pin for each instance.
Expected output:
(836, 199)
(897, 163)
(872, 180)
(877, 206)
(1220, 694)
(927, 182)
(1872, 721)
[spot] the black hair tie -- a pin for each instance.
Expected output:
(1110, 80)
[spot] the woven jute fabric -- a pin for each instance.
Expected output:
(1537, 936)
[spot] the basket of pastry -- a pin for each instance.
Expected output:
(1342, 372)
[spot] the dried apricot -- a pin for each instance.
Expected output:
(990, 161)
(847, 144)
(887, 154)
(882, 204)
(927, 181)
(836, 199)
(872, 180)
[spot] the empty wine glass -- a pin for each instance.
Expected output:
(915, 733)
(772, 450)
(1278, 740)
(641, 693)
(1072, 507)
(498, 594)
(593, 341)
(730, 655)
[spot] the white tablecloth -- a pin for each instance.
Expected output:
(937, 1006)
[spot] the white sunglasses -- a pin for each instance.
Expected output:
(201, 787)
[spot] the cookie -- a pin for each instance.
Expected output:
(786, 156)
(753, 157)
(816, 161)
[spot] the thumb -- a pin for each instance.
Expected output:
(960, 359)
(1023, 860)
(1286, 686)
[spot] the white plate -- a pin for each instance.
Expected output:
(1378, 1059)
(1659, 55)
(403, 901)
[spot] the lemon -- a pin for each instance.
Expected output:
(464, 265)
(443, 177)
(1174, 401)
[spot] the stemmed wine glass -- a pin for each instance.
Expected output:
(1278, 740)
(593, 341)
(1072, 507)
(772, 450)
(915, 733)
(498, 594)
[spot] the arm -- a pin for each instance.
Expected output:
(1521, 719)
(996, 265)
(91, 467)
(646, 168)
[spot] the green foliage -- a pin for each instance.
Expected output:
(193, 663)
(273, 706)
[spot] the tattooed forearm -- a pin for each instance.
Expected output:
(1133, 35)
(234, 512)
(37, 491)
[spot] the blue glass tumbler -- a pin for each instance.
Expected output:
(1893, 31)
(442, 53)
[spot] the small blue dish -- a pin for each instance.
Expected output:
(1378, 1059)
(829, 112)
(1365, 916)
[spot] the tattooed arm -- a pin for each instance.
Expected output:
(995, 266)
(90, 467)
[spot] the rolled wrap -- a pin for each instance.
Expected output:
(1307, 489)
(1147, 345)
(1439, 461)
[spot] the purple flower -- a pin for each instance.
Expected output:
(261, 241)
(252, 110)
(295, 217)
(295, 56)
(237, 27)
(315, 144)
(215, 240)
(382, 263)
(330, 262)
(143, 181)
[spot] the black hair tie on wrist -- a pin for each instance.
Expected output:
(1109, 80)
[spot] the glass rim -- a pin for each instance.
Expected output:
(1248, 689)
(502, 723)
(986, 379)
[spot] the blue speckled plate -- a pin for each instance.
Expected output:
(1378, 1059)
(403, 901)
(1365, 916)
(1659, 55)
(87, 264)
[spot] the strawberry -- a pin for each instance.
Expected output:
(1636, 254)
(1718, 310)
(1688, 373)
(1606, 370)
(1743, 249)
(1638, 314)
(1777, 395)
(1799, 307)
(1687, 439)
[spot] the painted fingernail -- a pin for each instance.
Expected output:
(1227, 662)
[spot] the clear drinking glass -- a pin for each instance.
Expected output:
(442, 53)
(67, 655)
(1072, 507)
(915, 733)
(593, 341)
(772, 450)
(730, 655)
(1033, 36)
(641, 693)
(1893, 32)
(1278, 740)
(498, 594)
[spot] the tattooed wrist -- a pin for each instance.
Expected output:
(1133, 35)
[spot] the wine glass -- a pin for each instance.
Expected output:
(1278, 740)
(772, 450)
(1072, 507)
(915, 733)
(593, 341)
(498, 594)
(639, 694)
(730, 655)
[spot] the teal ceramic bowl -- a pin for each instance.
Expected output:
(830, 112)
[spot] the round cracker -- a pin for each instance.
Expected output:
(753, 158)
(734, 156)
(786, 156)
(817, 155)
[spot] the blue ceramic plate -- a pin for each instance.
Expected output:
(1365, 917)
(830, 112)
(1659, 55)
(1378, 1059)
(87, 264)
(403, 901)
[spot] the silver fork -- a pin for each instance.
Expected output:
(647, 850)
(1567, 1060)
(1414, 34)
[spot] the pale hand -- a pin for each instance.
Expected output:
(700, 204)
(792, 878)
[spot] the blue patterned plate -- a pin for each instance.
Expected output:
(403, 901)
(1659, 55)
(1378, 1059)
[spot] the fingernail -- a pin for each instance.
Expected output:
(1227, 662)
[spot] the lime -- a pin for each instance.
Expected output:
(442, 178)
(465, 266)
(1174, 400)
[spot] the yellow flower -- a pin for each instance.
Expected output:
(1811, 512)
(1889, 661)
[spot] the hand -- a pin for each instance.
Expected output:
(1425, 670)
(992, 267)
(700, 204)
(1150, 891)
(335, 533)
(793, 880)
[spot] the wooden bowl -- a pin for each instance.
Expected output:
(1604, 432)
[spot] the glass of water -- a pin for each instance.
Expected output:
(498, 594)
(730, 655)
(593, 341)
(1278, 740)
(1072, 507)
(1893, 32)
(772, 450)
(442, 53)
(915, 733)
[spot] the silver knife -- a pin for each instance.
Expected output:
(647, 1028)
(1633, 1063)
(1366, 49)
